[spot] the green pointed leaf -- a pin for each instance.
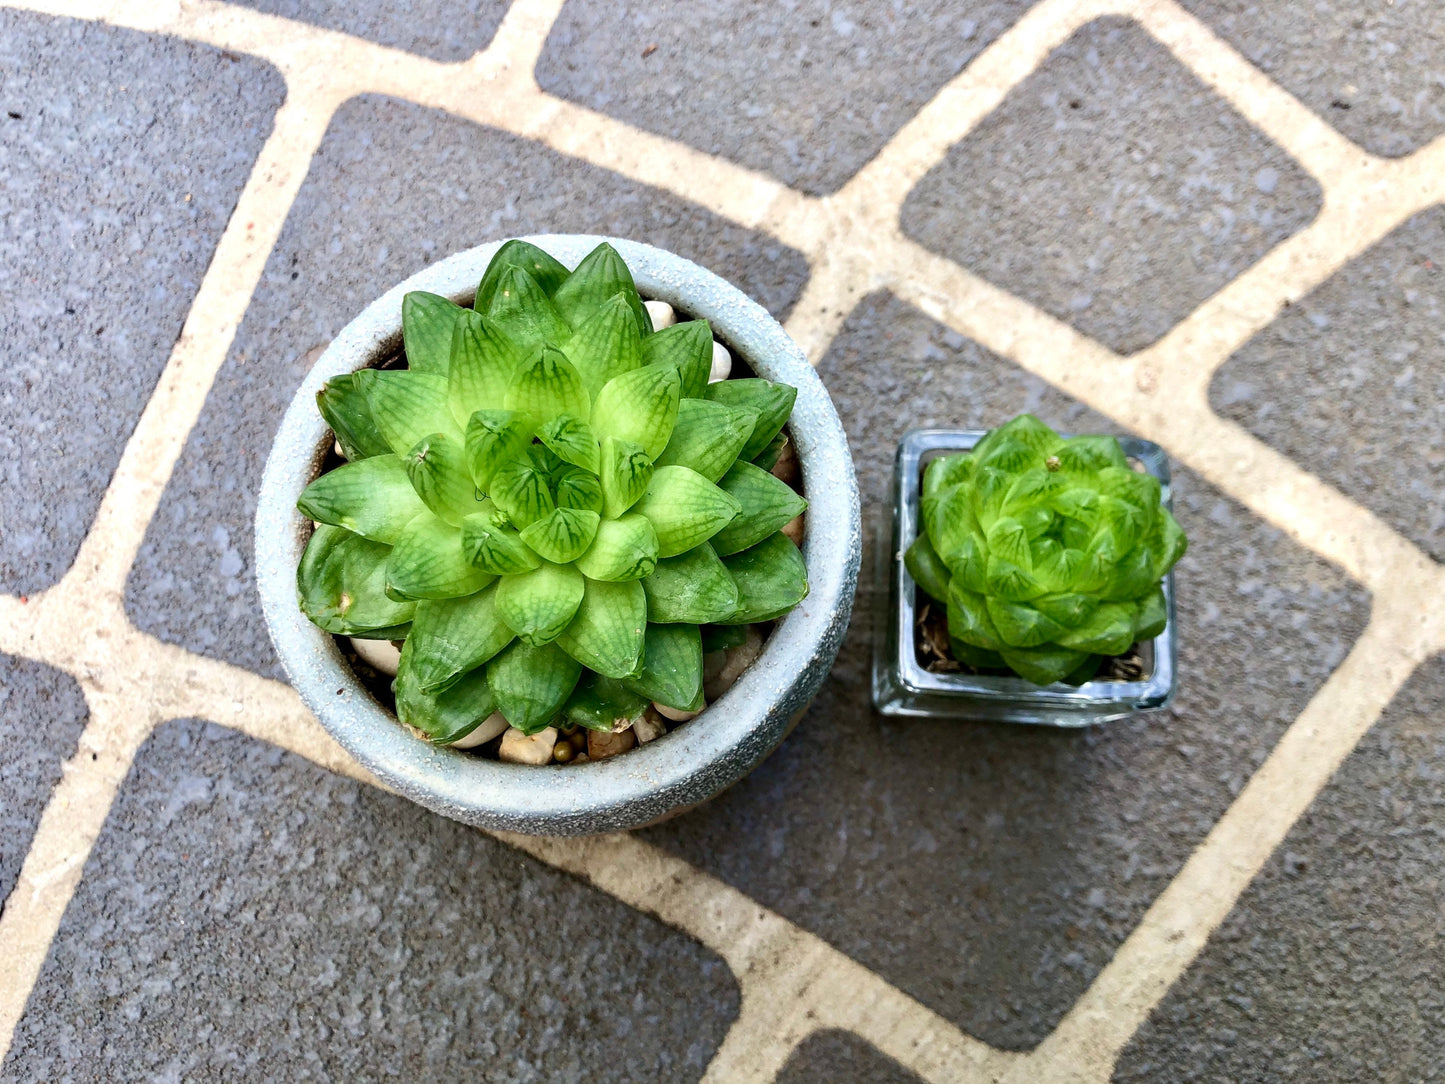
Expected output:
(767, 504)
(969, 620)
(721, 637)
(428, 562)
(1172, 544)
(494, 545)
(523, 312)
(482, 364)
(606, 635)
(1043, 665)
(771, 579)
(976, 657)
(624, 549)
(768, 458)
(437, 467)
(444, 715)
(708, 437)
(671, 667)
(1153, 615)
(531, 683)
(1108, 631)
(547, 385)
(685, 509)
(772, 403)
(626, 471)
(340, 584)
(693, 587)
(571, 441)
(452, 636)
(601, 275)
(608, 344)
(1021, 624)
(344, 405)
(927, 569)
(946, 472)
(686, 347)
(537, 605)
(547, 272)
(427, 324)
(407, 406)
(576, 488)
(495, 437)
(562, 535)
(640, 407)
(520, 490)
(372, 497)
(1088, 454)
(600, 703)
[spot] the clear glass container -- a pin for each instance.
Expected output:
(901, 684)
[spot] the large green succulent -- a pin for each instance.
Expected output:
(1049, 553)
(547, 503)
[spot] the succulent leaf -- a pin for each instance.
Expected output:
(539, 604)
(428, 322)
(600, 276)
(771, 578)
(1048, 552)
(545, 270)
(482, 363)
(444, 715)
(571, 441)
(523, 311)
(493, 545)
(767, 504)
(562, 535)
(602, 703)
(708, 437)
(407, 406)
(437, 468)
(692, 588)
(372, 497)
(606, 636)
(343, 404)
(640, 407)
(607, 344)
(624, 549)
(522, 492)
(428, 561)
(494, 438)
(771, 402)
(626, 472)
(577, 488)
(671, 671)
(341, 581)
(531, 683)
(686, 347)
(547, 384)
(450, 637)
(685, 509)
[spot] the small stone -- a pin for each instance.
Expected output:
(563, 752)
(661, 314)
(581, 758)
(489, 728)
(650, 727)
(722, 363)
(519, 748)
(786, 468)
(794, 531)
(677, 715)
(601, 743)
(378, 653)
(737, 659)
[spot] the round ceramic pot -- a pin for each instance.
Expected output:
(682, 768)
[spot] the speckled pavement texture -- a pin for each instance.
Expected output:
(1216, 224)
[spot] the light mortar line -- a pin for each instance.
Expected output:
(1176, 927)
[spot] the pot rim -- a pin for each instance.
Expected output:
(688, 764)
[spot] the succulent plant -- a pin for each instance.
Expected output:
(548, 502)
(1048, 553)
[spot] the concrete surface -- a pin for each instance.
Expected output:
(122, 158)
(828, 1057)
(448, 30)
(246, 914)
(1112, 189)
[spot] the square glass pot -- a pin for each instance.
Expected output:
(901, 684)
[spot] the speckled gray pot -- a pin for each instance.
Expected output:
(688, 765)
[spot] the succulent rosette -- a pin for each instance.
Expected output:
(1048, 553)
(548, 503)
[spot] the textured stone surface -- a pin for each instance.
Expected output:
(1371, 70)
(123, 155)
(1350, 381)
(805, 91)
(246, 915)
(831, 1057)
(1329, 968)
(987, 870)
(1111, 188)
(440, 29)
(42, 712)
(393, 188)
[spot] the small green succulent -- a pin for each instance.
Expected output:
(1049, 553)
(548, 502)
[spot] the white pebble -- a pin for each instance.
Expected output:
(488, 729)
(661, 314)
(722, 363)
(649, 727)
(519, 748)
(677, 715)
(379, 653)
